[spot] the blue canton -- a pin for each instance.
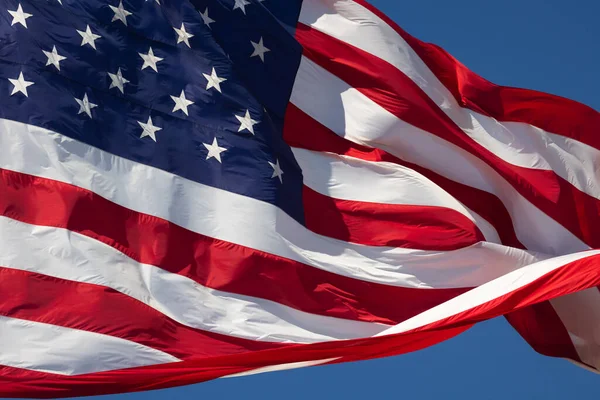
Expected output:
(198, 88)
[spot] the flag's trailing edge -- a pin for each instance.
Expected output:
(206, 189)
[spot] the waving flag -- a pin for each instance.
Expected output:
(195, 189)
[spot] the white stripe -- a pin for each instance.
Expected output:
(242, 220)
(517, 143)
(488, 292)
(68, 255)
(280, 367)
(54, 349)
(348, 178)
(351, 114)
(531, 147)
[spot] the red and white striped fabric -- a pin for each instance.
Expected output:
(434, 200)
(516, 167)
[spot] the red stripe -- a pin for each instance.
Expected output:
(298, 124)
(570, 278)
(99, 309)
(556, 197)
(373, 224)
(212, 263)
(551, 113)
(542, 328)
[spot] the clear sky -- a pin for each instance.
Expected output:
(548, 45)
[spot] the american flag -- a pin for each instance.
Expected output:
(195, 189)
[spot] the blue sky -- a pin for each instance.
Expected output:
(548, 45)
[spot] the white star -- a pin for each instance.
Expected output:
(246, 122)
(54, 58)
(121, 13)
(149, 129)
(214, 81)
(206, 19)
(259, 49)
(117, 80)
(157, 1)
(20, 85)
(85, 106)
(181, 103)
(19, 17)
(277, 172)
(241, 4)
(183, 36)
(150, 60)
(214, 150)
(88, 37)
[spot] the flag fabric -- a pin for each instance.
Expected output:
(196, 189)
